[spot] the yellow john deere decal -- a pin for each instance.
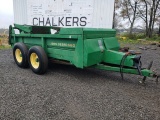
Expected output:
(64, 44)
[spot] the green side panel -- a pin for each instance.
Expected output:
(115, 57)
(61, 54)
(71, 31)
(64, 43)
(98, 29)
(33, 41)
(54, 36)
(61, 48)
(79, 53)
(90, 33)
(67, 49)
(27, 40)
(92, 52)
(111, 43)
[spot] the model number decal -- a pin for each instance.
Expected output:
(64, 44)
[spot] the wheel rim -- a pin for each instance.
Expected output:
(18, 55)
(34, 60)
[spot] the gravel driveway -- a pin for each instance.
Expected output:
(68, 93)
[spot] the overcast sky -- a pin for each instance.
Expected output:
(6, 13)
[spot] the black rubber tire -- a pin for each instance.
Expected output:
(24, 52)
(43, 59)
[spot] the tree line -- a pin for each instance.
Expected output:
(146, 12)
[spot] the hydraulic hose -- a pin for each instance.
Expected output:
(122, 64)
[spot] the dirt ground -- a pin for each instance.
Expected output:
(68, 93)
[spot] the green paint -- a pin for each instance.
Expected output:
(82, 47)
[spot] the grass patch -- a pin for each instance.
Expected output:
(138, 38)
(131, 43)
(4, 42)
(139, 41)
(5, 47)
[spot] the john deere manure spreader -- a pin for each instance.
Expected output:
(82, 47)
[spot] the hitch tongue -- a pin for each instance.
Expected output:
(157, 79)
(149, 67)
(155, 75)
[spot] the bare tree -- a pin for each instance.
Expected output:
(147, 10)
(158, 20)
(115, 14)
(158, 24)
(129, 11)
(134, 10)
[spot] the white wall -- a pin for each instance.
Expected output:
(103, 13)
(20, 11)
(69, 13)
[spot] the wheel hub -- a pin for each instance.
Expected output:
(34, 60)
(18, 55)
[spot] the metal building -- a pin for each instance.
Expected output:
(67, 13)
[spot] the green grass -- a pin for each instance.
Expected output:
(139, 41)
(4, 42)
(138, 38)
(131, 43)
(5, 47)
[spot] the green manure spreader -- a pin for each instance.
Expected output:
(82, 47)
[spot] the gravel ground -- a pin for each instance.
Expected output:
(68, 93)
